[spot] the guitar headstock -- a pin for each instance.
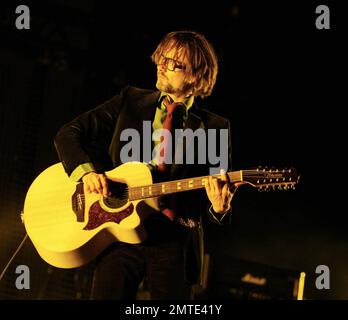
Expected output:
(266, 179)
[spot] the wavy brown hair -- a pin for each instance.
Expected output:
(202, 68)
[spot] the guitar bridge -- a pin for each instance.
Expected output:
(78, 203)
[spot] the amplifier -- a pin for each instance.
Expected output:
(225, 277)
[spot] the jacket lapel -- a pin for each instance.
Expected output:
(147, 107)
(194, 119)
(137, 109)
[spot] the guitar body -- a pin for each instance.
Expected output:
(69, 228)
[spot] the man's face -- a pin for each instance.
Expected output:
(171, 73)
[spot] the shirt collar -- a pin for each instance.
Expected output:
(188, 102)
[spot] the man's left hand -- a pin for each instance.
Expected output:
(220, 192)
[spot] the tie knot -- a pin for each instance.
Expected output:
(171, 106)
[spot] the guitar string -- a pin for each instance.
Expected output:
(67, 220)
(173, 184)
(137, 193)
(198, 179)
(142, 193)
(62, 220)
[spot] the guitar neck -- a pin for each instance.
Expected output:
(169, 187)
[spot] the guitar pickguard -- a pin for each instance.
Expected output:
(97, 215)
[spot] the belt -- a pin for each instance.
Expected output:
(189, 223)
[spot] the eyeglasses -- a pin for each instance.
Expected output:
(171, 64)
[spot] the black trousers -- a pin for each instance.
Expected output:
(162, 259)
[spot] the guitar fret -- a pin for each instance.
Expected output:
(164, 188)
(158, 189)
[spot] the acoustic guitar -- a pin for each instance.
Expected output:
(69, 228)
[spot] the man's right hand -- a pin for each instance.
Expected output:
(95, 182)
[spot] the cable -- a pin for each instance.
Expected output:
(14, 255)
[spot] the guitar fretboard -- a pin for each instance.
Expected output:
(163, 188)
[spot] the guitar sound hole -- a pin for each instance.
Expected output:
(118, 196)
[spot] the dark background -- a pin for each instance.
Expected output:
(278, 83)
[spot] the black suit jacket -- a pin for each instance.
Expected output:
(95, 137)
